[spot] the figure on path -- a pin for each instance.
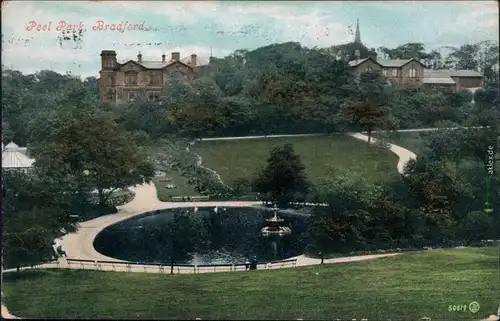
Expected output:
(61, 252)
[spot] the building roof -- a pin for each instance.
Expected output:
(391, 63)
(465, 73)
(154, 64)
(354, 63)
(160, 64)
(397, 63)
(199, 62)
(11, 146)
(439, 80)
(14, 159)
(14, 156)
(437, 73)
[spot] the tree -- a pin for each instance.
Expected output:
(364, 112)
(342, 224)
(93, 152)
(34, 214)
(477, 226)
(406, 51)
(284, 178)
(7, 133)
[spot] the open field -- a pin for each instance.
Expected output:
(405, 287)
(182, 187)
(234, 159)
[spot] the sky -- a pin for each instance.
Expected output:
(220, 28)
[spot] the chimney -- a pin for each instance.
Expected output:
(162, 58)
(193, 60)
(108, 59)
(139, 58)
(176, 56)
(373, 54)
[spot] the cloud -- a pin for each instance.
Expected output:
(477, 15)
(178, 12)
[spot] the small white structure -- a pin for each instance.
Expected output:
(473, 91)
(14, 157)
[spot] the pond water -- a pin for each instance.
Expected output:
(205, 235)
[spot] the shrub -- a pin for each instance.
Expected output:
(476, 226)
(121, 198)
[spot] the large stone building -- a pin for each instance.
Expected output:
(413, 72)
(123, 82)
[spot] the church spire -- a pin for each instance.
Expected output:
(357, 37)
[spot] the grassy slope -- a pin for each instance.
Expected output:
(181, 183)
(244, 158)
(405, 287)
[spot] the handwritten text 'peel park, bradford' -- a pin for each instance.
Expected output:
(100, 25)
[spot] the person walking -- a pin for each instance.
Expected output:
(61, 252)
(253, 264)
(247, 265)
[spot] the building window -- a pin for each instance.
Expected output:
(394, 72)
(153, 96)
(131, 78)
(177, 75)
(110, 95)
(368, 69)
(132, 95)
(412, 73)
(384, 71)
(110, 81)
(155, 79)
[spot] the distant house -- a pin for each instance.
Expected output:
(406, 72)
(124, 82)
(397, 71)
(15, 158)
(453, 80)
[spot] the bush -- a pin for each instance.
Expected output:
(121, 198)
(96, 210)
(476, 226)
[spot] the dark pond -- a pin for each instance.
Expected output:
(207, 236)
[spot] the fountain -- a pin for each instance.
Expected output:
(273, 227)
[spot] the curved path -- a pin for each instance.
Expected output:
(79, 245)
(404, 154)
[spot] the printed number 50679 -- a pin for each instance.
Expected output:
(458, 308)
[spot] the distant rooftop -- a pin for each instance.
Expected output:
(158, 64)
(439, 80)
(14, 156)
(391, 63)
(443, 73)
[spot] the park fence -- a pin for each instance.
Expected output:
(124, 266)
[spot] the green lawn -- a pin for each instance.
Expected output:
(234, 159)
(181, 183)
(406, 287)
